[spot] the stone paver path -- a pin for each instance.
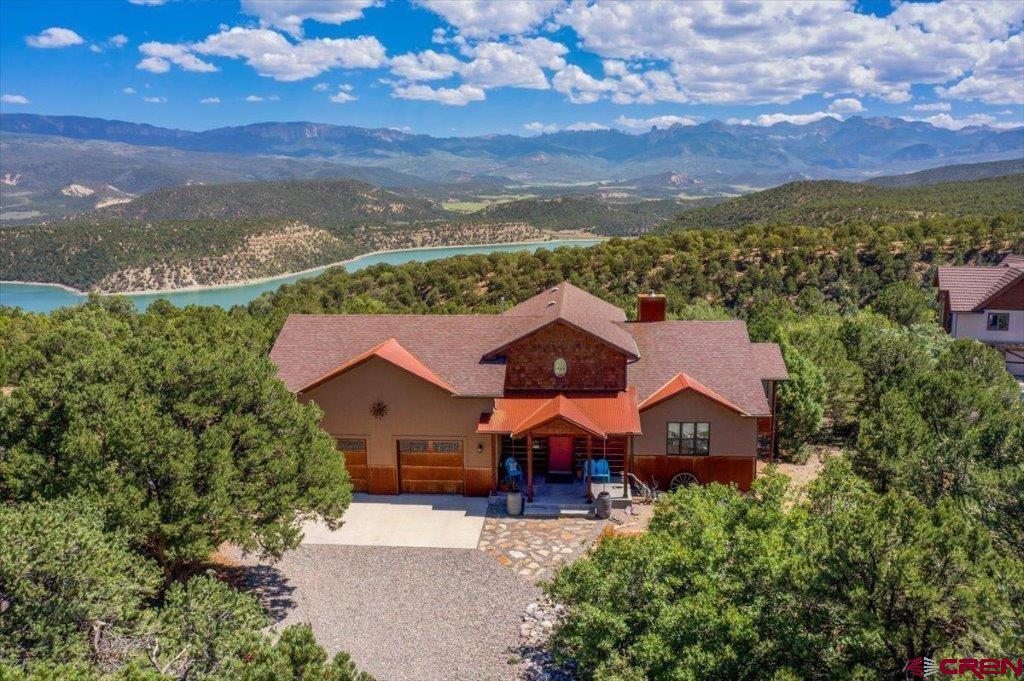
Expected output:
(534, 547)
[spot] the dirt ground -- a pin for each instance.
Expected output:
(800, 476)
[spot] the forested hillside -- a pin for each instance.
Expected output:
(586, 214)
(964, 172)
(318, 203)
(846, 266)
(223, 233)
(829, 202)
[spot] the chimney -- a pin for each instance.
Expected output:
(650, 307)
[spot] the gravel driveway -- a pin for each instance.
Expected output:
(402, 613)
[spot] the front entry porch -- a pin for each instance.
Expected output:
(554, 466)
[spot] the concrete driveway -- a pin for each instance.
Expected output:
(412, 520)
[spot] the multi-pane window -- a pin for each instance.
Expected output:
(350, 445)
(689, 439)
(998, 321)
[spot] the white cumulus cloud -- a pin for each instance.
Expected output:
(129, 90)
(274, 56)
(160, 56)
(14, 99)
(846, 105)
(540, 128)
(210, 100)
(457, 96)
(254, 98)
(343, 95)
(997, 78)
(54, 37)
(653, 122)
(486, 18)
(780, 51)
(288, 15)
(154, 100)
(768, 120)
(934, 106)
(586, 125)
(119, 40)
(944, 120)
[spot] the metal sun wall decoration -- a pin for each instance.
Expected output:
(379, 409)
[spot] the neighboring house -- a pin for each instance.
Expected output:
(437, 403)
(987, 303)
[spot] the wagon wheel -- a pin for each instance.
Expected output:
(683, 480)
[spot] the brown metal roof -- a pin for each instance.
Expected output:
(970, 287)
(453, 348)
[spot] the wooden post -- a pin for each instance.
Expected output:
(529, 467)
(773, 445)
(625, 465)
(590, 457)
(495, 462)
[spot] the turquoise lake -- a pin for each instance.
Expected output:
(44, 297)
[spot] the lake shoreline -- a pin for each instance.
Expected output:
(287, 275)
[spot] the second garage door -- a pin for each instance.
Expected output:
(430, 466)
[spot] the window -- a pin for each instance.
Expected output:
(447, 446)
(689, 439)
(350, 445)
(561, 367)
(998, 321)
(412, 446)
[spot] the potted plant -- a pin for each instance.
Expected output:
(514, 501)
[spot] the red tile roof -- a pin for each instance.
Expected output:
(455, 348)
(971, 287)
(682, 383)
(389, 351)
(600, 415)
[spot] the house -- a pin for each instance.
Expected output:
(437, 403)
(987, 303)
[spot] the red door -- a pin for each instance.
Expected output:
(560, 454)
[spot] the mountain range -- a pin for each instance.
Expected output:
(56, 165)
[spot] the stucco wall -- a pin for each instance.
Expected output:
(972, 325)
(416, 410)
(731, 434)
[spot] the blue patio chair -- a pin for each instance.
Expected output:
(513, 473)
(598, 470)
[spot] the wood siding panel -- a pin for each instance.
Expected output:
(478, 482)
(383, 480)
(431, 459)
(592, 364)
(658, 471)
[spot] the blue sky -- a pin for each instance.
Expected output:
(465, 67)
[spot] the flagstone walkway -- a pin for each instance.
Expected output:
(534, 547)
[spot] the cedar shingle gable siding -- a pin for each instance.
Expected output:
(592, 364)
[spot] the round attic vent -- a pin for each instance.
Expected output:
(550, 303)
